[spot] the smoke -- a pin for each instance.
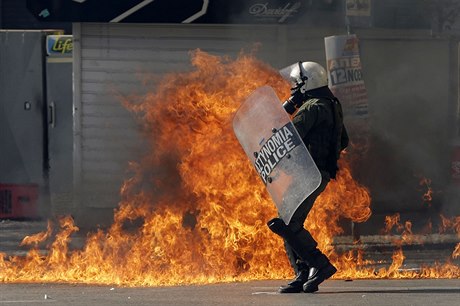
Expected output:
(411, 123)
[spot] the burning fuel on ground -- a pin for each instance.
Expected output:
(198, 206)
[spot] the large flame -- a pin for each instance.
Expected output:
(195, 211)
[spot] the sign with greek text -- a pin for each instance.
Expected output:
(345, 76)
(275, 149)
(273, 145)
(345, 71)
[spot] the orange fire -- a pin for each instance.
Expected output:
(428, 195)
(195, 210)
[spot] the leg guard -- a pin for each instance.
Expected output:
(301, 242)
(296, 262)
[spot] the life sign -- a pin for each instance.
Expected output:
(59, 45)
(275, 149)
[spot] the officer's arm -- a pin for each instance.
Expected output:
(305, 119)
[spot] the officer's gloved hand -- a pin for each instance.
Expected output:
(295, 101)
(297, 97)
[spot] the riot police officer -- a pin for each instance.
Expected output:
(318, 118)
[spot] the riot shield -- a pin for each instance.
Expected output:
(276, 150)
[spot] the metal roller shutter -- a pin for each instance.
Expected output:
(108, 56)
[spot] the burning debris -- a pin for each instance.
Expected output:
(199, 207)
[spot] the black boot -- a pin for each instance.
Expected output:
(302, 246)
(300, 268)
(301, 242)
(296, 285)
(318, 275)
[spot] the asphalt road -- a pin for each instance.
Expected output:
(333, 292)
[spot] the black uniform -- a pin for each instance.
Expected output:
(319, 122)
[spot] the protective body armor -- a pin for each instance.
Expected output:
(319, 122)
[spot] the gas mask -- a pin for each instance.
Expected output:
(304, 77)
(297, 93)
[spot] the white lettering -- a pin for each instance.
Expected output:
(278, 138)
(281, 151)
(283, 13)
(346, 62)
(288, 133)
(267, 169)
(275, 148)
(289, 145)
(271, 145)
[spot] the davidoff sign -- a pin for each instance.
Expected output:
(281, 13)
